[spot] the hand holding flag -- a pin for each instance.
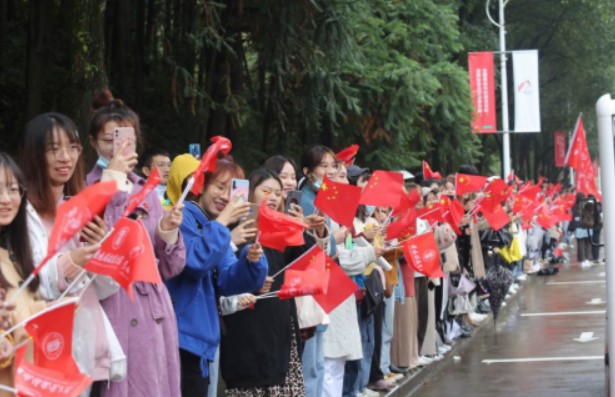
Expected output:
(152, 181)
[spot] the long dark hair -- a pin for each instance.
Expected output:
(259, 176)
(14, 237)
(276, 163)
(39, 134)
(107, 108)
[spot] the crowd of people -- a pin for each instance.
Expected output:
(214, 320)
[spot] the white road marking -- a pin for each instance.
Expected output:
(582, 312)
(585, 337)
(540, 359)
(576, 282)
(596, 301)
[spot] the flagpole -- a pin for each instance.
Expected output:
(186, 190)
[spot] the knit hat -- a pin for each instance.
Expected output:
(181, 168)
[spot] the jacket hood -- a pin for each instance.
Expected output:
(181, 168)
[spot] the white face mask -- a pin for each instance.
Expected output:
(317, 183)
(102, 162)
(369, 209)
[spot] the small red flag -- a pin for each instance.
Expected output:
(577, 152)
(339, 201)
(52, 334)
(428, 173)
(127, 256)
(545, 219)
(384, 189)
(403, 227)
(348, 154)
(208, 162)
(432, 213)
(73, 214)
(530, 192)
(421, 253)
(453, 212)
(407, 202)
(307, 275)
(496, 217)
(465, 183)
(34, 381)
(277, 230)
(152, 181)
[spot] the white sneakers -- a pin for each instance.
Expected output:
(476, 317)
(586, 264)
(522, 277)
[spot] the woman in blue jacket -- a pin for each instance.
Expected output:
(212, 269)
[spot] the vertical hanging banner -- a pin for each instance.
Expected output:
(559, 148)
(527, 94)
(480, 66)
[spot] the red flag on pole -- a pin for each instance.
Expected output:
(52, 334)
(432, 213)
(74, 214)
(428, 173)
(127, 256)
(208, 162)
(152, 181)
(348, 154)
(338, 200)
(384, 189)
(421, 253)
(453, 212)
(307, 275)
(407, 202)
(465, 183)
(496, 217)
(34, 381)
(403, 227)
(277, 230)
(578, 148)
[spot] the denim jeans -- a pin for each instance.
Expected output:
(313, 363)
(212, 389)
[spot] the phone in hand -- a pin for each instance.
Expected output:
(122, 134)
(253, 214)
(292, 197)
(240, 187)
(195, 150)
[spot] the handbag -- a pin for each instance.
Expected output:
(119, 364)
(445, 236)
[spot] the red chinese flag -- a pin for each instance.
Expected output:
(339, 201)
(432, 213)
(545, 219)
(277, 230)
(530, 192)
(498, 189)
(74, 214)
(421, 253)
(482, 87)
(408, 202)
(348, 154)
(453, 212)
(428, 173)
(127, 256)
(469, 183)
(340, 287)
(34, 381)
(384, 189)
(577, 152)
(404, 227)
(52, 334)
(208, 162)
(304, 282)
(152, 181)
(496, 217)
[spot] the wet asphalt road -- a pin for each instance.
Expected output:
(521, 334)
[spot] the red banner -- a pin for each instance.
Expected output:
(480, 65)
(559, 148)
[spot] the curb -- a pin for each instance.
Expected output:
(413, 381)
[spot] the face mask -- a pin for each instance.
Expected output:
(370, 209)
(102, 162)
(317, 183)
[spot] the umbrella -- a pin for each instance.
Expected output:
(499, 280)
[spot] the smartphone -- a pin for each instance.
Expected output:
(195, 150)
(240, 187)
(122, 134)
(253, 214)
(293, 197)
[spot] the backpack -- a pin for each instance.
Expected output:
(588, 210)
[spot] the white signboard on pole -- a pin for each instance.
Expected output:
(527, 93)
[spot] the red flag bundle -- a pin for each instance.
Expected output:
(531, 192)
(465, 183)
(428, 173)
(384, 189)
(404, 227)
(432, 213)
(208, 162)
(348, 154)
(152, 181)
(545, 219)
(421, 253)
(407, 202)
(34, 381)
(339, 201)
(496, 217)
(52, 334)
(127, 256)
(277, 230)
(74, 214)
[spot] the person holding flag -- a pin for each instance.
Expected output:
(146, 326)
(54, 137)
(212, 269)
(15, 262)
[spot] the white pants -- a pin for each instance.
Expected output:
(334, 377)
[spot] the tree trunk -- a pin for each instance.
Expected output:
(37, 31)
(139, 54)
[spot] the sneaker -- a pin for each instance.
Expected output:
(391, 377)
(369, 393)
(443, 350)
(398, 370)
(381, 385)
(476, 317)
(423, 361)
(522, 277)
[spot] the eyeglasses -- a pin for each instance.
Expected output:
(330, 166)
(15, 192)
(73, 150)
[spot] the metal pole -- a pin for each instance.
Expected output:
(605, 109)
(504, 91)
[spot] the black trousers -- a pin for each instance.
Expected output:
(595, 239)
(375, 373)
(420, 294)
(192, 382)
